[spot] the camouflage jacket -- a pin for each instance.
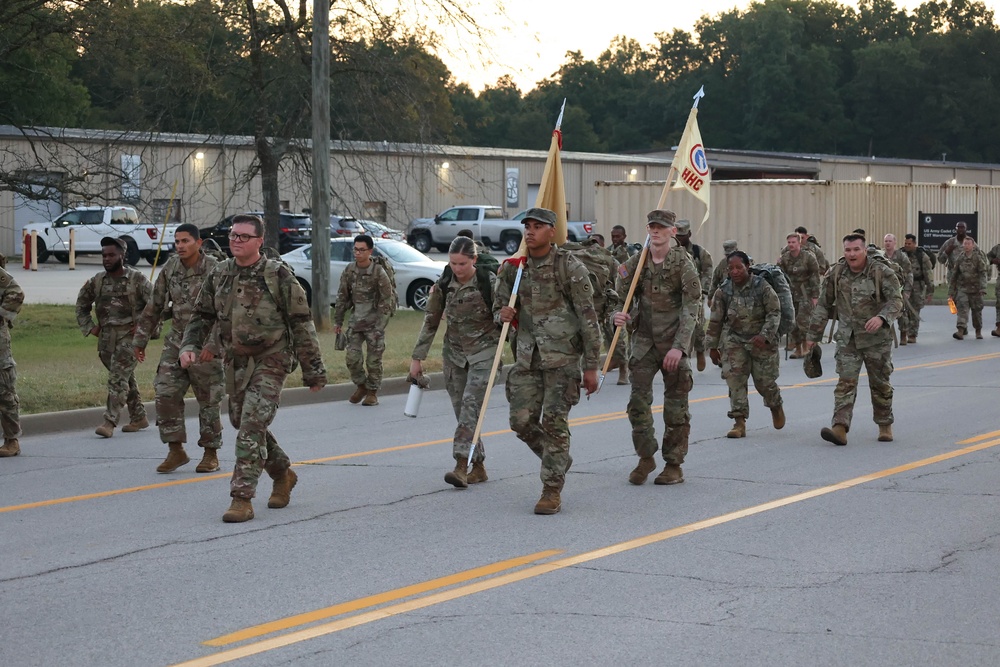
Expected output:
(252, 320)
(970, 272)
(855, 298)
(744, 312)
(719, 274)
(993, 256)
(176, 289)
(923, 271)
(119, 302)
(557, 322)
(622, 252)
(11, 298)
(949, 252)
(665, 307)
(905, 273)
(472, 334)
(364, 292)
(803, 273)
(603, 267)
(812, 245)
(702, 264)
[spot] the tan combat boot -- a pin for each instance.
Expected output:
(239, 511)
(282, 491)
(902, 339)
(638, 476)
(176, 457)
(371, 398)
(799, 351)
(739, 429)
(105, 430)
(358, 394)
(778, 417)
(478, 473)
(979, 334)
(11, 447)
(837, 435)
(885, 432)
(996, 332)
(458, 477)
(132, 427)
(672, 474)
(209, 461)
(911, 339)
(701, 360)
(623, 372)
(550, 502)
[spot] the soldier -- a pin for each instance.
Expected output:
(947, 254)
(263, 325)
(620, 249)
(923, 284)
(703, 265)
(464, 297)
(117, 295)
(557, 330)
(177, 287)
(485, 257)
(810, 243)
(905, 274)
(803, 274)
(663, 318)
(599, 238)
(11, 298)
(364, 288)
(862, 292)
(994, 258)
(747, 311)
(967, 285)
(721, 270)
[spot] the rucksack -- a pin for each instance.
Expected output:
(592, 256)
(488, 262)
(391, 272)
(483, 281)
(778, 281)
(922, 251)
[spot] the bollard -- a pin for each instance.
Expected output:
(72, 250)
(34, 250)
(26, 242)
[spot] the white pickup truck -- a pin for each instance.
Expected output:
(91, 224)
(487, 224)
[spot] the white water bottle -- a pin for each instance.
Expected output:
(413, 401)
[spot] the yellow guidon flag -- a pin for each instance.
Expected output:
(690, 162)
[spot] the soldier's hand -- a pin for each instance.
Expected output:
(140, 354)
(186, 359)
(96, 331)
(206, 355)
(620, 319)
(716, 356)
(815, 301)
(416, 368)
(673, 360)
(508, 314)
(336, 330)
(809, 345)
(874, 324)
(590, 381)
(759, 342)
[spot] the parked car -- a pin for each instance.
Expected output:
(379, 230)
(416, 273)
(487, 224)
(345, 226)
(295, 231)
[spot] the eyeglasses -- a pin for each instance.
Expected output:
(242, 238)
(362, 250)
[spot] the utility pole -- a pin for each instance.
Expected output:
(321, 165)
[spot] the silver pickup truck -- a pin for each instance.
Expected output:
(487, 224)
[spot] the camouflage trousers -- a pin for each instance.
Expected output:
(966, 301)
(540, 401)
(114, 346)
(676, 418)
(253, 404)
(998, 303)
(10, 406)
(742, 361)
(367, 372)
(467, 387)
(698, 339)
(877, 361)
(620, 354)
(172, 383)
(917, 297)
(803, 313)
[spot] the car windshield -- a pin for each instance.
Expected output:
(400, 252)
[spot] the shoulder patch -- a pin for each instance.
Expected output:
(623, 270)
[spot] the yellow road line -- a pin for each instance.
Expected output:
(579, 421)
(321, 630)
(381, 598)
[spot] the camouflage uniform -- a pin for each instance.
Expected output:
(557, 329)
(702, 261)
(177, 288)
(803, 277)
(740, 313)
(262, 334)
(854, 298)
(994, 258)
(923, 284)
(905, 275)
(812, 245)
(664, 316)
(366, 292)
(11, 298)
(117, 306)
(621, 252)
(603, 268)
(966, 286)
(470, 343)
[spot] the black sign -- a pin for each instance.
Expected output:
(933, 229)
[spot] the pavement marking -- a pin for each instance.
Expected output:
(579, 421)
(321, 630)
(381, 598)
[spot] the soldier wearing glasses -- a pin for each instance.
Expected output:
(265, 327)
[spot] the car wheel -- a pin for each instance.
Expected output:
(61, 257)
(43, 252)
(420, 292)
(422, 242)
(151, 257)
(132, 255)
(511, 243)
(307, 290)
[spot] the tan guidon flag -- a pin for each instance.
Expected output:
(690, 162)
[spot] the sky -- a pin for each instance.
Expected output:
(532, 42)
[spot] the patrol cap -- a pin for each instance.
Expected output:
(683, 226)
(811, 365)
(729, 246)
(661, 217)
(542, 215)
(111, 240)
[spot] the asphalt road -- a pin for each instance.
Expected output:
(779, 549)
